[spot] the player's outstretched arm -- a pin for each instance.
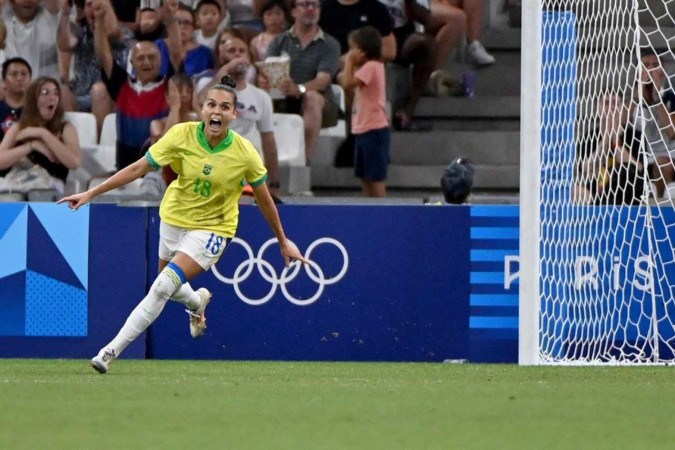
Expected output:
(266, 204)
(124, 176)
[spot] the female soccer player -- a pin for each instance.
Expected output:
(199, 210)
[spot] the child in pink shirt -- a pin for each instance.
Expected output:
(364, 72)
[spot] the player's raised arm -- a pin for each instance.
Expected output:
(121, 178)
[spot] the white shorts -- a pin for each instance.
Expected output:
(205, 247)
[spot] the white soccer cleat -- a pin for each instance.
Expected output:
(477, 55)
(101, 362)
(197, 317)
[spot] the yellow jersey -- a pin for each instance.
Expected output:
(205, 196)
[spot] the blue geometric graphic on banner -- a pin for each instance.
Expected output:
(8, 213)
(70, 233)
(54, 308)
(44, 257)
(12, 238)
(12, 308)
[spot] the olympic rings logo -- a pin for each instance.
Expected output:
(288, 274)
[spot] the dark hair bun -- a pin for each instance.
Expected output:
(228, 81)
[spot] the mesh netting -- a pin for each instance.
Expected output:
(607, 182)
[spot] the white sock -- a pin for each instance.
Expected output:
(147, 310)
(187, 296)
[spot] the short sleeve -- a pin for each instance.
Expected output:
(163, 152)
(118, 77)
(330, 61)
(366, 73)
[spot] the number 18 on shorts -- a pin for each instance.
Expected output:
(205, 247)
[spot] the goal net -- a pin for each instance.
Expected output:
(597, 272)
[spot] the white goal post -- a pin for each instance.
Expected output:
(597, 189)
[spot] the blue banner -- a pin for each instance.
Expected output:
(386, 283)
(68, 279)
(607, 295)
(43, 280)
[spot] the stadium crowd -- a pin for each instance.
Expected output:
(149, 62)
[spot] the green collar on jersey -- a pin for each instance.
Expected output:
(222, 145)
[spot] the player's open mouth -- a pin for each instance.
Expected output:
(215, 123)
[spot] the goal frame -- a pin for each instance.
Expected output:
(632, 318)
(530, 185)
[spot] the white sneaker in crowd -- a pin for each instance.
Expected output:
(477, 55)
(101, 362)
(197, 316)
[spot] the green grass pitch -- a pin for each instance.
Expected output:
(64, 404)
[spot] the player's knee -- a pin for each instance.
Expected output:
(168, 282)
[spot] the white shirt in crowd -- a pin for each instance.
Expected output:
(34, 41)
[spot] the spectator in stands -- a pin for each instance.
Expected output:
(31, 32)
(208, 21)
(179, 97)
(83, 90)
(195, 57)
(413, 49)
(449, 20)
(609, 168)
(274, 15)
(655, 100)
(16, 76)
(42, 147)
(315, 59)
(139, 100)
(221, 59)
(339, 18)
(364, 73)
(254, 106)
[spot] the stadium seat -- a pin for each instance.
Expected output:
(340, 129)
(289, 133)
(108, 143)
(109, 130)
(85, 124)
(100, 159)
